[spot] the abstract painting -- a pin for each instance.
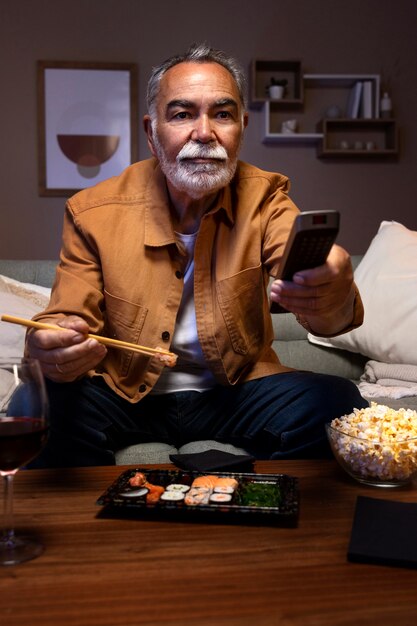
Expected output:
(88, 123)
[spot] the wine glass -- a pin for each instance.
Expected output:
(23, 433)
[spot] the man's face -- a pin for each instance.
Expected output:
(198, 127)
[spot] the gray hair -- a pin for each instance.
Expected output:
(197, 53)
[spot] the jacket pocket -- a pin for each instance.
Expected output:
(124, 321)
(241, 300)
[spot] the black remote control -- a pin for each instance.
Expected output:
(312, 235)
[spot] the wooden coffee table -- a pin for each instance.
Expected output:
(124, 572)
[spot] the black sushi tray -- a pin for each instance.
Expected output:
(271, 499)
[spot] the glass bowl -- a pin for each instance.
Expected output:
(380, 463)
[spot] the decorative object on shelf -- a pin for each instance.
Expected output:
(288, 127)
(333, 112)
(367, 109)
(352, 110)
(359, 145)
(265, 73)
(344, 145)
(370, 145)
(276, 88)
(386, 106)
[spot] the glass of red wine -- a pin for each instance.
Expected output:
(23, 433)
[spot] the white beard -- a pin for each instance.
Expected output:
(197, 179)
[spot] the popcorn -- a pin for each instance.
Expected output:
(377, 442)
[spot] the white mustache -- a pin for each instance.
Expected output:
(193, 150)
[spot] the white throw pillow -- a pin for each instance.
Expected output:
(387, 281)
(20, 300)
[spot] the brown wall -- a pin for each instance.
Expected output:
(329, 36)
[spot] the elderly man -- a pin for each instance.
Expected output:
(177, 252)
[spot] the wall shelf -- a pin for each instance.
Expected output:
(366, 138)
(324, 110)
(292, 138)
(261, 73)
(321, 94)
(336, 89)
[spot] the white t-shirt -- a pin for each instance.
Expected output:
(190, 372)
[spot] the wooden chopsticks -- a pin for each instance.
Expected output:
(114, 343)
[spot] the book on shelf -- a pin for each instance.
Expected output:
(367, 107)
(354, 101)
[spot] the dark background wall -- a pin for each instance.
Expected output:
(328, 36)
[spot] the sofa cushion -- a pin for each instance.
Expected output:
(20, 300)
(146, 453)
(202, 446)
(154, 452)
(387, 281)
(302, 355)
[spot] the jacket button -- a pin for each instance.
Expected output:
(178, 274)
(142, 388)
(165, 335)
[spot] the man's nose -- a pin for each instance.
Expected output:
(202, 130)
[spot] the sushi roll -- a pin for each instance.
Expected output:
(224, 489)
(221, 498)
(172, 495)
(197, 495)
(226, 482)
(178, 487)
(205, 481)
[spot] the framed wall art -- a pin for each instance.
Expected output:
(87, 123)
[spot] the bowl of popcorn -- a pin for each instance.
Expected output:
(377, 445)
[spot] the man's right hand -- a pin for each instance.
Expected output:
(66, 354)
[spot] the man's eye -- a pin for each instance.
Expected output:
(224, 115)
(182, 115)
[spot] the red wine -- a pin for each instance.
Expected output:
(21, 439)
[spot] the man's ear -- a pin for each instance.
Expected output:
(147, 125)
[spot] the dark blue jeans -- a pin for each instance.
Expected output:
(276, 417)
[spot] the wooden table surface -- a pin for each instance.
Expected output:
(122, 572)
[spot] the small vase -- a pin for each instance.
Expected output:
(386, 106)
(276, 92)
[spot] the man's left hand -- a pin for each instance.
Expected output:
(323, 296)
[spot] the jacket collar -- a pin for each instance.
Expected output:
(158, 225)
